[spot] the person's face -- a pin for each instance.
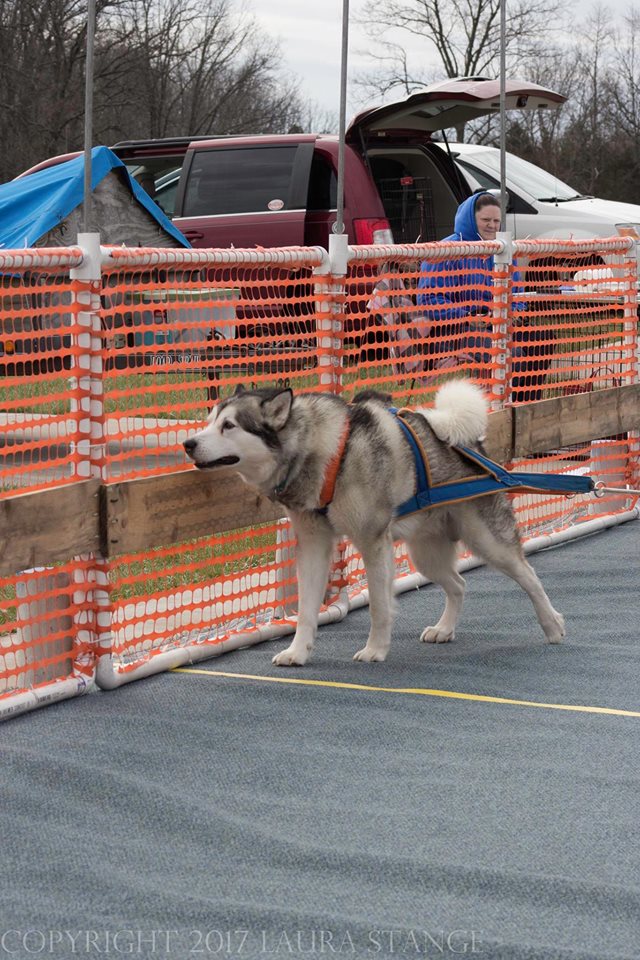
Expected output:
(488, 222)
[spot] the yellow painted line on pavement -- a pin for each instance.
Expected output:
(415, 691)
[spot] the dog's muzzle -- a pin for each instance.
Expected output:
(190, 448)
(220, 462)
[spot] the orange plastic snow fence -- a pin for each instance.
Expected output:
(107, 379)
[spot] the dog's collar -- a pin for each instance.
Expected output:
(330, 475)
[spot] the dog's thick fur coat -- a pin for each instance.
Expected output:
(282, 445)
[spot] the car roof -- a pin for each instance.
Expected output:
(178, 145)
(463, 148)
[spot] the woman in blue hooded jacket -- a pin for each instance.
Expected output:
(454, 289)
(457, 293)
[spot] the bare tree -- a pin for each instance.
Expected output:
(459, 38)
(625, 84)
(41, 78)
(593, 141)
(196, 67)
(163, 68)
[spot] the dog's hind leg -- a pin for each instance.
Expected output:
(435, 557)
(504, 552)
(313, 556)
(377, 555)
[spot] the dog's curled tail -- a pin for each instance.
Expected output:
(459, 416)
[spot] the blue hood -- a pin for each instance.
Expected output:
(33, 205)
(465, 221)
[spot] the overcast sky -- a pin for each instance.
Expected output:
(310, 38)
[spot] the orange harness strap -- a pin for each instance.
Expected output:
(331, 473)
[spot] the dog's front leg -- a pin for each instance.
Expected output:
(377, 556)
(314, 549)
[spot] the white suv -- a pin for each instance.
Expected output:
(541, 205)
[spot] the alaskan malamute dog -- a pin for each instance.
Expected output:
(344, 469)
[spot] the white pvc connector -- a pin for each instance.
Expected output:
(505, 255)
(91, 266)
(338, 254)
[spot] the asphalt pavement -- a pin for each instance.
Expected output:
(476, 799)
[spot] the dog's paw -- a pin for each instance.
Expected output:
(291, 657)
(556, 631)
(436, 635)
(370, 655)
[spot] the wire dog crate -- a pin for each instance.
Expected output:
(408, 202)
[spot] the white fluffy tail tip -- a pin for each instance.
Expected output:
(460, 413)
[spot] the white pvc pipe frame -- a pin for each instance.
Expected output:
(108, 676)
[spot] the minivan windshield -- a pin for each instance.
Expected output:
(535, 181)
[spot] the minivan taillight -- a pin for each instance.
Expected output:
(372, 231)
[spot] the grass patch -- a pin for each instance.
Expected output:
(193, 563)
(50, 395)
(8, 612)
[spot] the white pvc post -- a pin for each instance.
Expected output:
(95, 621)
(42, 605)
(631, 350)
(330, 289)
(502, 259)
(90, 408)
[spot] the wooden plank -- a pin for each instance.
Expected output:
(499, 442)
(577, 418)
(49, 526)
(139, 514)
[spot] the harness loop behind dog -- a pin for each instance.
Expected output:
(494, 479)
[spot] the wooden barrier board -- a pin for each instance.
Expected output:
(49, 526)
(46, 527)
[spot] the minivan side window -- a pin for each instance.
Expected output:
(245, 180)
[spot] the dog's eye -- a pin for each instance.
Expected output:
(228, 425)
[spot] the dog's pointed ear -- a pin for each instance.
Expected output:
(276, 409)
(239, 389)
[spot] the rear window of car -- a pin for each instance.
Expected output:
(245, 180)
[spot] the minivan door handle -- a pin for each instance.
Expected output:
(193, 234)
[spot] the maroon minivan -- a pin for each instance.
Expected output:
(280, 190)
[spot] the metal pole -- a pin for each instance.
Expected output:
(503, 111)
(338, 226)
(88, 111)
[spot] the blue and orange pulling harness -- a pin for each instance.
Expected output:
(494, 478)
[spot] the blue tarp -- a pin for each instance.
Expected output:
(33, 205)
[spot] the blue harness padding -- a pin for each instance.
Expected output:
(495, 480)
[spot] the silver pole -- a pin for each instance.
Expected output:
(338, 226)
(503, 111)
(88, 111)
